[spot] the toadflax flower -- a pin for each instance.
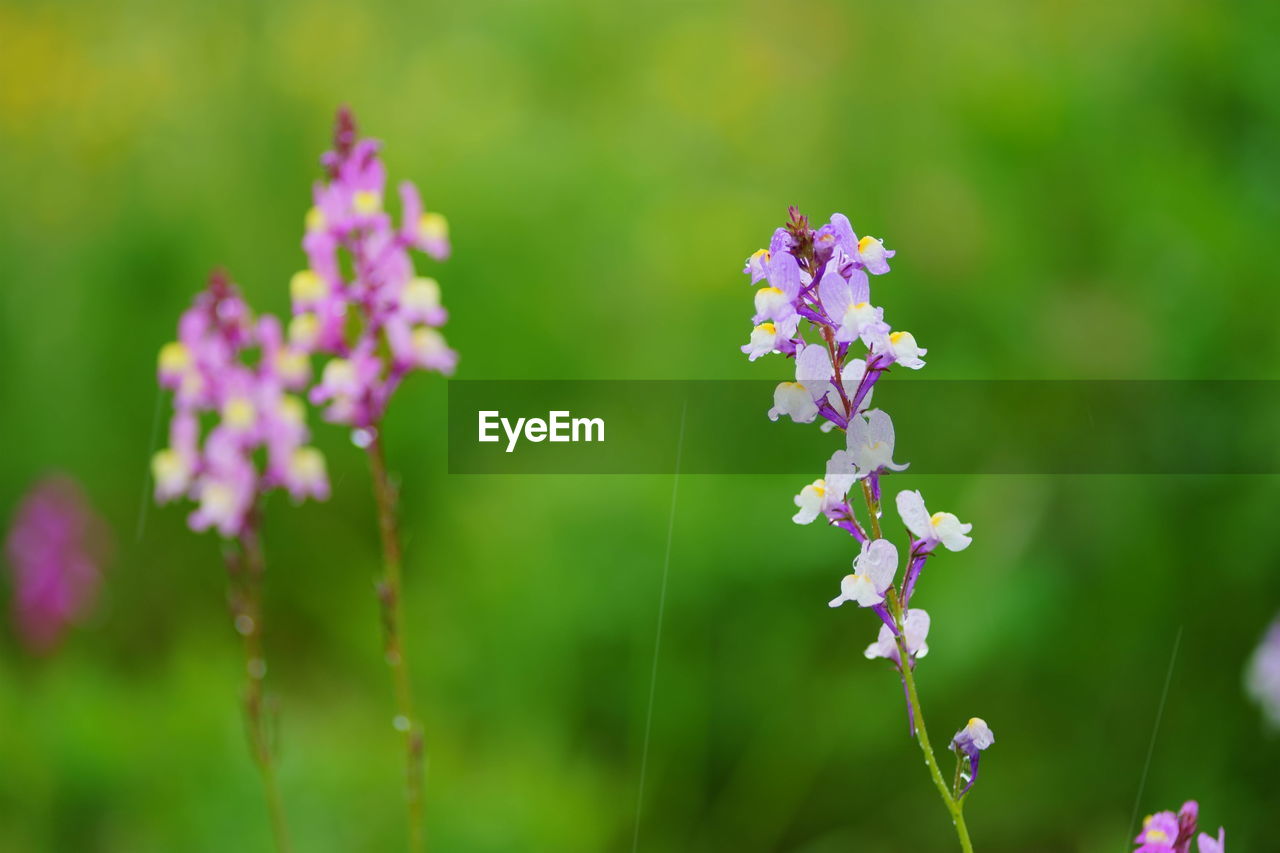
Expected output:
(915, 630)
(56, 548)
(1262, 677)
(244, 377)
(816, 307)
(873, 571)
(870, 441)
(969, 742)
(360, 299)
(1166, 832)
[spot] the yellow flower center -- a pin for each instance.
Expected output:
(339, 372)
(427, 340)
(307, 464)
(422, 293)
(238, 412)
(866, 243)
(174, 357)
(315, 220)
(167, 465)
(291, 409)
(366, 202)
(306, 285)
(303, 329)
(433, 226)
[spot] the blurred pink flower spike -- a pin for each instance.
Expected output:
(57, 548)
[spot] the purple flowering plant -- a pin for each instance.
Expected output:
(241, 387)
(1166, 832)
(362, 306)
(56, 548)
(822, 278)
(238, 431)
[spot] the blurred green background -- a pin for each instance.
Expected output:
(1084, 190)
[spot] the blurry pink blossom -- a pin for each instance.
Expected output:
(56, 548)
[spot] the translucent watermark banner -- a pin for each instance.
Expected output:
(942, 427)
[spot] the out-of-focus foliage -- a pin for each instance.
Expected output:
(1074, 190)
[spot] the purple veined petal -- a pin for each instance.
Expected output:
(914, 515)
(859, 286)
(813, 369)
(841, 472)
(833, 293)
(784, 274)
(845, 238)
(780, 242)
(878, 560)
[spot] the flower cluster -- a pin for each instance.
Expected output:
(1166, 832)
(823, 276)
(360, 299)
(56, 548)
(1263, 675)
(240, 370)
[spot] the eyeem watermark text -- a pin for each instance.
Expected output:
(559, 426)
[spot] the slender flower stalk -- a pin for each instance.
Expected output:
(390, 597)
(822, 276)
(245, 566)
(361, 302)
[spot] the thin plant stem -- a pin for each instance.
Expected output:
(247, 569)
(954, 806)
(390, 596)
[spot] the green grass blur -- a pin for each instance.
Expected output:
(1084, 190)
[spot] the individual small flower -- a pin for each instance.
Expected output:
(56, 548)
(1166, 832)
(873, 571)
(897, 347)
(1262, 677)
(772, 305)
(870, 443)
(764, 340)
(915, 632)
(758, 265)
(970, 741)
(931, 530)
(1159, 833)
(874, 256)
(818, 497)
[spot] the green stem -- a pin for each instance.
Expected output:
(954, 807)
(246, 608)
(390, 597)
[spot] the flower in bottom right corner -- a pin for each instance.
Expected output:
(1166, 832)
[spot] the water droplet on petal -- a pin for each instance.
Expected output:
(362, 437)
